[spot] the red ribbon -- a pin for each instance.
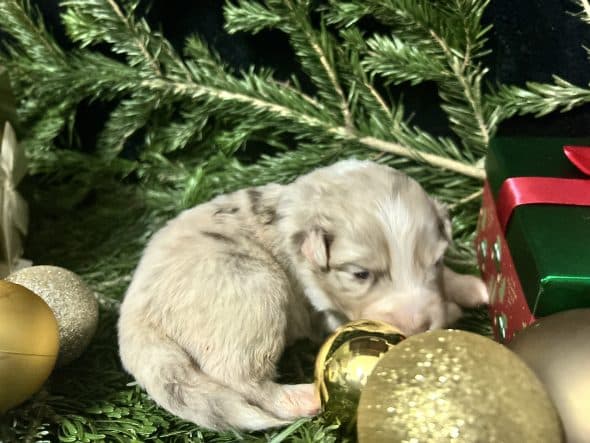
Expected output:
(518, 191)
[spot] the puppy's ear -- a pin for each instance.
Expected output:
(444, 220)
(314, 245)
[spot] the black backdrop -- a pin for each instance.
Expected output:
(530, 40)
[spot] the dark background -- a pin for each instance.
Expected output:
(531, 40)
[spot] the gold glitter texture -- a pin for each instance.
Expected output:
(72, 302)
(454, 386)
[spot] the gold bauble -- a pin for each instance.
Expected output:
(557, 348)
(72, 302)
(346, 359)
(455, 386)
(29, 343)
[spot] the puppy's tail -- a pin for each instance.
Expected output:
(177, 384)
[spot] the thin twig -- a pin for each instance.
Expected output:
(432, 159)
(474, 196)
(379, 99)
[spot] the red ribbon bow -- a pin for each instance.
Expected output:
(518, 191)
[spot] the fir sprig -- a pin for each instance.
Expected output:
(540, 98)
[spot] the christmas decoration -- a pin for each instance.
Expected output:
(557, 348)
(13, 208)
(346, 359)
(72, 302)
(454, 386)
(535, 209)
(113, 98)
(29, 344)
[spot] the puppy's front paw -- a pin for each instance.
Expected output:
(475, 292)
(465, 290)
(480, 291)
(296, 401)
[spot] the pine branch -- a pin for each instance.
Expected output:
(120, 29)
(468, 75)
(262, 107)
(539, 98)
(399, 62)
(130, 115)
(470, 92)
(372, 113)
(250, 17)
(315, 49)
(178, 134)
(320, 45)
(28, 30)
(212, 90)
(345, 14)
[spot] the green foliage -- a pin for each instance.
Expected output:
(398, 62)
(540, 98)
(154, 81)
(194, 128)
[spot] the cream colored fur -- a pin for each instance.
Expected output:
(225, 286)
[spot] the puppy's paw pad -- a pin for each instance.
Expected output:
(299, 401)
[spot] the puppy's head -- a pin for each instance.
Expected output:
(368, 242)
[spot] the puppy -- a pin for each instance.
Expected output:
(225, 286)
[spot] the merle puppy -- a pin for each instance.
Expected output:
(223, 287)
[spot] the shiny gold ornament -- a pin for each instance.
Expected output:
(454, 386)
(29, 343)
(345, 361)
(72, 302)
(557, 348)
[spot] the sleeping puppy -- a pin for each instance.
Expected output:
(225, 286)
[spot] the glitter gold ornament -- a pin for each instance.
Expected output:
(557, 348)
(454, 386)
(72, 302)
(346, 359)
(29, 343)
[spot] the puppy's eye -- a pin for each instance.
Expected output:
(362, 275)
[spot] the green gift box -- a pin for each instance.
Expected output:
(547, 245)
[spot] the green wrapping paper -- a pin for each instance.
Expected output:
(549, 244)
